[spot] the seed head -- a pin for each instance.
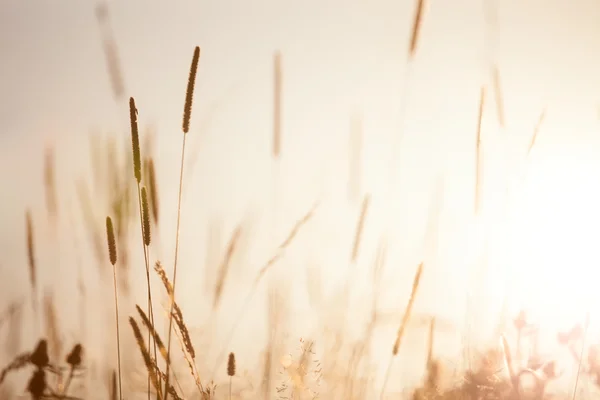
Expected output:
(135, 140)
(110, 237)
(231, 365)
(189, 95)
(146, 217)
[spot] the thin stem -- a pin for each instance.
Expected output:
(175, 266)
(118, 334)
(585, 331)
(150, 308)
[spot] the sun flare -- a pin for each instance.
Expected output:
(552, 240)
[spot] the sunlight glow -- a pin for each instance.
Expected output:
(552, 242)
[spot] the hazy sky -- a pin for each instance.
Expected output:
(339, 58)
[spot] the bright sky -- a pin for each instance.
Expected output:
(339, 58)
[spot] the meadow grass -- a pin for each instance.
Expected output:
(499, 373)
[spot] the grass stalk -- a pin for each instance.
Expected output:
(112, 254)
(186, 126)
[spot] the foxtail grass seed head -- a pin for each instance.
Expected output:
(189, 95)
(135, 140)
(146, 217)
(231, 365)
(153, 190)
(30, 251)
(110, 238)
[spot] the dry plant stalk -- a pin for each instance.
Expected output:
(430, 342)
(272, 261)
(414, 37)
(52, 325)
(536, 130)
(50, 182)
(144, 222)
(408, 310)
(146, 356)
(478, 152)
(224, 268)
(359, 228)
(30, 251)
(403, 324)
(112, 256)
(110, 52)
(146, 321)
(499, 96)
(355, 158)
(113, 386)
(186, 341)
(213, 252)
(277, 83)
(187, 113)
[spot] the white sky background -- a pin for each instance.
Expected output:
(338, 57)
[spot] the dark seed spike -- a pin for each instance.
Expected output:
(146, 217)
(135, 140)
(189, 95)
(110, 237)
(231, 365)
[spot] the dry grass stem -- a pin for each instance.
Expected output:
(272, 261)
(536, 131)
(112, 254)
(146, 321)
(403, 324)
(52, 326)
(50, 182)
(187, 112)
(430, 342)
(110, 52)
(407, 311)
(284, 245)
(224, 268)
(277, 89)
(359, 228)
(414, 37)
(30, 251)
(499, 96)
(146, 357)
(355, 158)
(478, 175)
